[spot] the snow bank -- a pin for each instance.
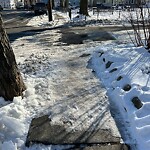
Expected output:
(116, 71)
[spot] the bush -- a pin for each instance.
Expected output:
(140, 22)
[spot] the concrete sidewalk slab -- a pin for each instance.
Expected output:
(41, 131)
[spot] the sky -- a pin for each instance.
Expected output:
(119, 66)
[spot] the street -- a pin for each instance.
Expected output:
(15, 20)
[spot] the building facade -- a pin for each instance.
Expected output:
(8, 4)
(32, 2)
(12, 4)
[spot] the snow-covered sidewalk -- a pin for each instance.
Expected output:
(125, 71)
(58, 82)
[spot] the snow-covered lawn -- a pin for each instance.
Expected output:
(123, 69)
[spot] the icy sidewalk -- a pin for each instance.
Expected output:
(80, 113)
(59, 85)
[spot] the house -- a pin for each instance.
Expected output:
(8, 4)
(11, 4)
(32, 2)
(107, 2)
(29, 2)
(113, 2)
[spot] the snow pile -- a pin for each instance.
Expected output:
(104, 17)
(42, 20)
(128, 87)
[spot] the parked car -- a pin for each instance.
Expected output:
(40, 8)
(1, 8)
(103, 6)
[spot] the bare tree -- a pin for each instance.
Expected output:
(84, 7)
(53, 4)
(66, 4)
(62, 3)
(91, 3)
(11, 82)
(94, 2)
(49, 6)
(141, 25)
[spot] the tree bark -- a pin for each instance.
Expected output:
(11, 82)
(66, 4)
(53, 4)
(49, 6)
(62, 3)
(91, 3)
(84, 7)
(94, 3)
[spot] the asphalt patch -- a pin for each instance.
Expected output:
(79, 35)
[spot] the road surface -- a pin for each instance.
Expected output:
(15, 21)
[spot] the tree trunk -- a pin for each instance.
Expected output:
(84, 7)
(53, 4)
(66, 4)
(62, 3)
(30, 2)
(94, 3)
(148, 43)
(50, 18)
(11, 82)
(91, 3)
